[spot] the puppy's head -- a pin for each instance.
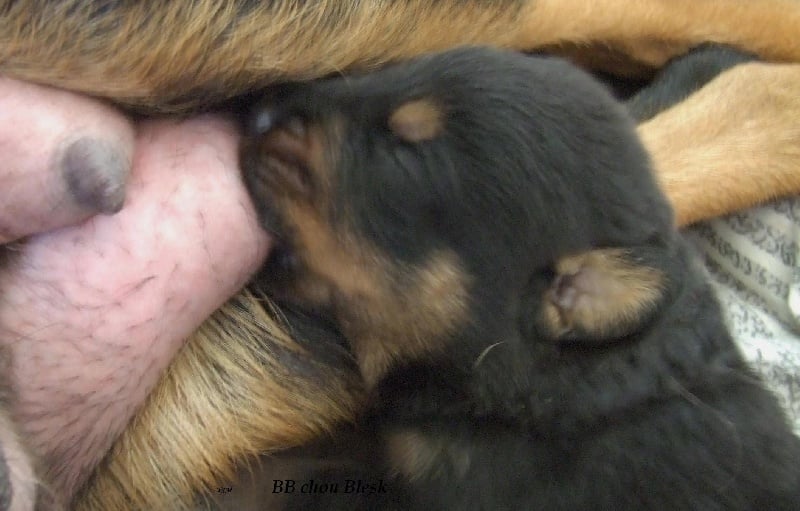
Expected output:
(418, 202)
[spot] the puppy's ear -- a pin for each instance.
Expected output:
(595, 296)
(417, 120)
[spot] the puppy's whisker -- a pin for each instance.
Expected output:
(485, 352)
(735, 467)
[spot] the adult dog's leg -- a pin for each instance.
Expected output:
(172, 55)
(240, 387)
(733, 144)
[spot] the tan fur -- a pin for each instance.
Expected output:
(601, 57)
(395, 328)
(372, 298)
(415, 455)
(181, 53)
(417, 120)
(231, 394)
(732, 145)
(621, 292)
(651, 32)
(314, 144)
(377, 313)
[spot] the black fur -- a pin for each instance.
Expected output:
(683, 76)
(536, 162)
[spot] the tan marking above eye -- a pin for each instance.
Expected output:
(417, 120)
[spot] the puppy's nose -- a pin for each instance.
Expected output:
(263, 121)
(269, 117)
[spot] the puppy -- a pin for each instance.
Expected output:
(484, 231)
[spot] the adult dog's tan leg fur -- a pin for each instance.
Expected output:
(239, 388)
(167, 57)
(732, 145)
(651, 32)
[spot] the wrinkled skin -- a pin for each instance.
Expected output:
(131, 235)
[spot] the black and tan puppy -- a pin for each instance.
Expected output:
(484, 230)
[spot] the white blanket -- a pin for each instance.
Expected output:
(754, 260)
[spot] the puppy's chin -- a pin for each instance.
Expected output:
(278, 272)
(281, 279)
